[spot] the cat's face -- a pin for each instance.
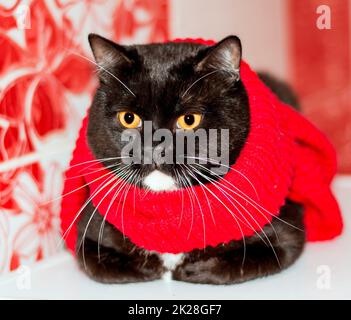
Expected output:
(173, 86)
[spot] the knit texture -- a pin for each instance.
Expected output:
(284, 156)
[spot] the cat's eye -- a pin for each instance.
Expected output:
(189, 121)
(129, 120)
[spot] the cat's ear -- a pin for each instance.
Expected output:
(108, 53)
(225, 55)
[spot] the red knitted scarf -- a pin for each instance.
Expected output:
(284, 156)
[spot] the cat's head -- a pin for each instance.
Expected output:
(178, 88)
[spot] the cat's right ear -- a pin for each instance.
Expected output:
(108, 53)
(225, 56)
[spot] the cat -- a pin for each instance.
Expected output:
(158, 75)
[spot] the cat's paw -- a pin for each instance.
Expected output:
(212, 270)
(225, 268)
(111, 266)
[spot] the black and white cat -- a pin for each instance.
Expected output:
(159, 74)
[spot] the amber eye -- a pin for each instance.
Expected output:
(189, 121)
(129, 120)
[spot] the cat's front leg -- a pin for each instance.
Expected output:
(113, 258)
(111, 266)
(240, 261)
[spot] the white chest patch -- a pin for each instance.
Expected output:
(170, 262)
(159, 181)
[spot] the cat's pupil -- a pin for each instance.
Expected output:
(189, 119)
(129, 117)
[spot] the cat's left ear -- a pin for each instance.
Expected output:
(107, 52)
(225, 55)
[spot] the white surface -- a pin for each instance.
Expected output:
(59, 277)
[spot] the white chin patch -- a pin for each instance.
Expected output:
(159, 181)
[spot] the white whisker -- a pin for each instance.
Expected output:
(232, 215)
(217, 184)
(135, 174)
(102, 68)
(180, 184)
(202, 214)
(213, 161)
(196, 81)
(252, 202)
(79, 188)
(261, 229)
(82, 242)
(101, 230)
(186, 184)
(100, 188)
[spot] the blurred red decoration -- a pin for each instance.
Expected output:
(40, 71)
(321, 69)
(131, 16)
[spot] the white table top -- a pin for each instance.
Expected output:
(322, 272)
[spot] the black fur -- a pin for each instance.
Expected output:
(158, 75)
(281, 89)
(120, 261)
